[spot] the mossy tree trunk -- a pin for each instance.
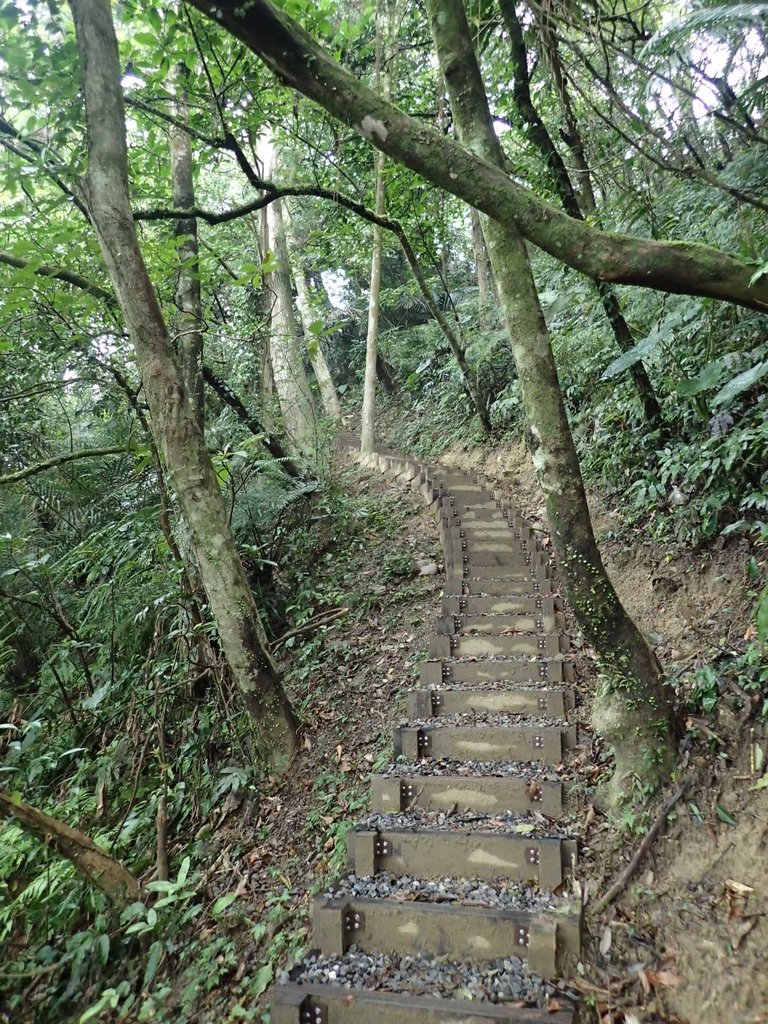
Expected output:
(174, 421)
(635, 705)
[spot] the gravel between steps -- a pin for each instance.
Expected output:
(505, 685)
(533, 824)
(485, 719)
(504, 895)
(495, 981)
(470, 769)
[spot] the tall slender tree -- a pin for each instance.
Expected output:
(635, 709)
(104, 193)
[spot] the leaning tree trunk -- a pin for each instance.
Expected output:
(686, 268)
(293, 392)
(180, 439)
(97, 867)
(634, 707)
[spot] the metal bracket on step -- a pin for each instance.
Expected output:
(527, 559)
(452, 642)
(423, 743)
(541, 643)
(447, 672)
(532, 855)
(312, 1012)
(538, 742)
(463, 541)
(352, 920)
(436, 701)
(543, 670)
(523, 545)
(543, 703)
(539, 602)
(522, 935)
(540, 624)
(535, 583)
(535, 793)
(381, 848)
(462, 603)
(407, 794)
(462, 534)
(464, 558)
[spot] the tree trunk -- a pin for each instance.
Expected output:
(328, 395)
(561, 179)
(371, 340)
(176, 427)
(682, 267)
(293, 392)
(189, 321)
(486, 286)
(97, 867)
(635, 705)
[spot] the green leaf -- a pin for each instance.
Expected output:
(103, 949)
(708, 378)
(183, 871)
(762, 617)
(153, 961)
(761, 783)
(261, 980)
(723, 815)
(223, 902)
(95, 698)
(742, 382)
(316, 327)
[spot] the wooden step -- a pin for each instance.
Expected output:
(436, 853)
(475, 625)
(498, 527)
(430, 703)
(485, 573)
(495, 586)
(519, 561)
(519, 604)
(485, 794)
(485, 742)
(458, 932)
(543, 670)
(335, 1004)
(543, 645)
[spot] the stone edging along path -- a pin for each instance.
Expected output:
(453, 910)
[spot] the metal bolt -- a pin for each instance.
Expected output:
(532, 855)
(538, 742)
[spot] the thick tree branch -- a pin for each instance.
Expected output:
(60, 460)
(686, 268)
(103, 871)
(61, 274)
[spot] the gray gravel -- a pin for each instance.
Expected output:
(471, 769)
(494, 981)
(498, 684)
(504, 895)
(534, 824)
(483, 718)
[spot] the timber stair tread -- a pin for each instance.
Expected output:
(464, 860)
(337, 1004)
(467, 792)
(554, 702)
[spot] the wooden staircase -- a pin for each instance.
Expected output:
(472, 794)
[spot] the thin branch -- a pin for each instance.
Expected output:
(59, 460)
(621, 882)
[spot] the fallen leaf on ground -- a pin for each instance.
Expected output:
(606, 941)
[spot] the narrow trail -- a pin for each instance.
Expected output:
(459, 871)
